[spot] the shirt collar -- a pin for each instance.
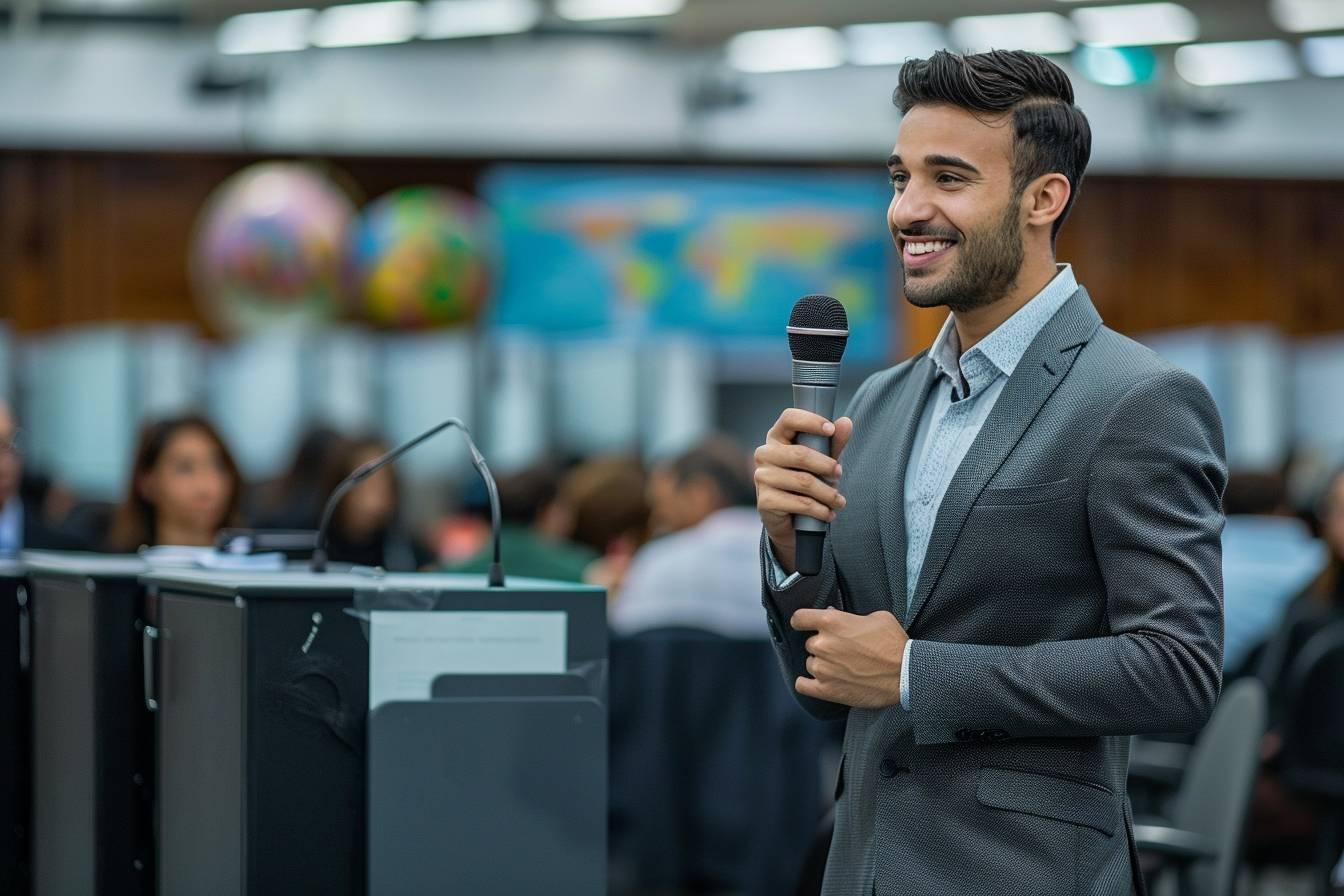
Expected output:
(1002, 350)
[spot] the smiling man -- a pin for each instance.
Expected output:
(1024, 561)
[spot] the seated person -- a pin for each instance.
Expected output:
(23, 523)
(535, 531)
(184, 488)
(366, 529)
(702, 572)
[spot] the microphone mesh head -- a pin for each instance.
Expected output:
(818, 313)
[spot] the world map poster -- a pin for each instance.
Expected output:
(720, 254)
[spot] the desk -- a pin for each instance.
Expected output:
(91, 733)
(261, 681)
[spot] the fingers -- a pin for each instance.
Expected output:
(810, 687)
(788, 456)
(772, 500)
(794, 421)
(809, 620)
(844, 428)
(797, 482)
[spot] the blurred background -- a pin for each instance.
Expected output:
(579, 225)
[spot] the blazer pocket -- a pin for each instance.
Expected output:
(1037, 493)
(1046, 796)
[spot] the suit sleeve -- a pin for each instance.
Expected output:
(1154, 504)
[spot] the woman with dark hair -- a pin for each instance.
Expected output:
(365, 529)
(184, 487)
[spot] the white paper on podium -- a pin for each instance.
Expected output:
(409, 649)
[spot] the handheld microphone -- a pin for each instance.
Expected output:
(495, 578)
(818, 329)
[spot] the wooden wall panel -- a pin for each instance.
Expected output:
(97, 237)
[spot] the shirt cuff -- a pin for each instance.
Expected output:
(779, 580)
(905, 676)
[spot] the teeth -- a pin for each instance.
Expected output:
(925, 248)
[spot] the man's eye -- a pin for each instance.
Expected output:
(898, 180)
(948, 179)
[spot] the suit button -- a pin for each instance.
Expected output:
(774, 630)
(887, 769)
(964, 734)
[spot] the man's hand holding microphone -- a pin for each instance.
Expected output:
(853, 660)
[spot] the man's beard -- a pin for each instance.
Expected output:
(984, 273)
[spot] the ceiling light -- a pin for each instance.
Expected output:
(1036, 32)
(1140, 24)
(1237, 62)
(1307, 15)
(1324, 56)
(786, 49)
(593, 10)
(366, 24)
(892, 43)
(284, 30)
(478, 18)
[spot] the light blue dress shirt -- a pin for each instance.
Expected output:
(965, 389)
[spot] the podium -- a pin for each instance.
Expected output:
(91, 828)
(15, 795)
(273, 775)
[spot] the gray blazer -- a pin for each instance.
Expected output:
(1071, 596)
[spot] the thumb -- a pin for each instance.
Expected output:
(844, 428)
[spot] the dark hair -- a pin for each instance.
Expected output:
(1051, 134)
(605, 495)
(720, 461)
(135, 521)
(344, 455)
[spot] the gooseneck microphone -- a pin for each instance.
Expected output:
(818, 330)
(495, 578)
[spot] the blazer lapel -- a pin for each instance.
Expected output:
(906, 409)
(1035, 379)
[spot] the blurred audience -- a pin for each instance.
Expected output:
(1283, 824)
(294, 501)
(183, 489)
(703, 572)
(366, 529)
(1269, 556)
(602, 505)
(534, 537)
(26, 514)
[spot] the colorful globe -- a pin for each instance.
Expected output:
(268, 248)
(419, 259)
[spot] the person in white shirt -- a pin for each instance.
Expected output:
(701, 572)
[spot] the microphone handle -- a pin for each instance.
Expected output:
(809, 532)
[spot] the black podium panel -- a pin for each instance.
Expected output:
(91, 760)
(261, 681)
(15, 795)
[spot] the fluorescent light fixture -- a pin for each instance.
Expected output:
(367, 24)
(1036, 32)
(1115, 66)
(1236, 62)
(786, 50)
(478, 18)
(891, 43)
(1138, 25)
(1307, 15)
(1324, 56)
(282, 31)
(593, 10)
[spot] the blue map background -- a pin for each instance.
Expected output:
(722, 254)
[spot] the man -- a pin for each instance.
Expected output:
(1023, 569)
(21, 527)
(701, 573)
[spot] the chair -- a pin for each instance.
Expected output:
(714, 767)
(1313, 740)
(1202, 844)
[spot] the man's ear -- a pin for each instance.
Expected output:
(1045, 199)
